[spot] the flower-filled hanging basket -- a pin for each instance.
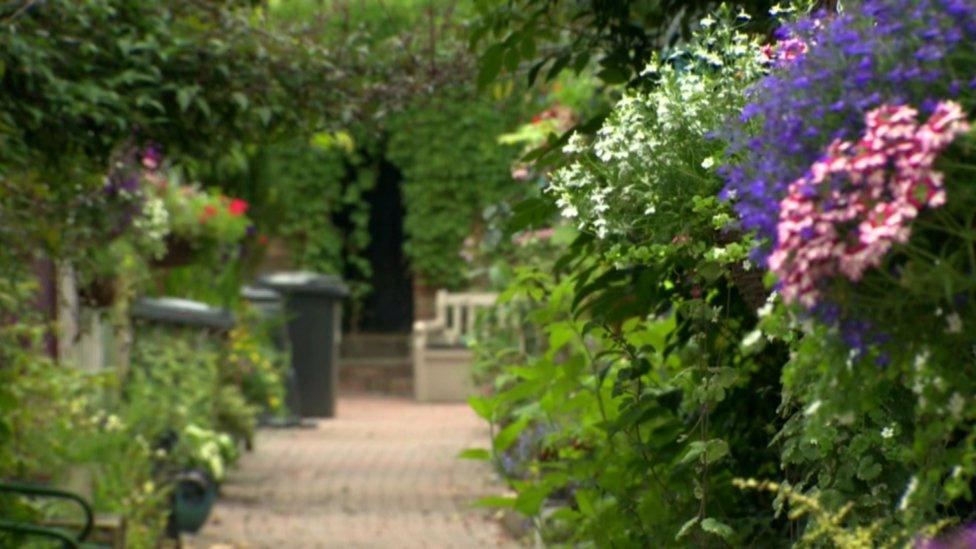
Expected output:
(179, 252)
(100, 293)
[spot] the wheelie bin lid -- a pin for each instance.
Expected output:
(305, 282)
(173, 310)
(256, 294)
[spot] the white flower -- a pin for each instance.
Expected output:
(813, 407)
(707, 21)
(751, 338)
(956, 405)
(954, 324)
(921, 359)
(909, 491)
(113, 423)
(708, 163)
(887, 432)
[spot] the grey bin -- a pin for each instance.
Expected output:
(313, 308)
(271, 307)
(182, 312)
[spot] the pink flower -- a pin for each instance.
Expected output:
(859, 200)
(784, 52)
(790, 50)
(152, 157)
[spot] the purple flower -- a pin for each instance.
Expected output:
(876, 52)
(963, 537)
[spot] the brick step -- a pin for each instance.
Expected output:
(387, 376)
(365, 345)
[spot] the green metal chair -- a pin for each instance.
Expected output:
(67, 538)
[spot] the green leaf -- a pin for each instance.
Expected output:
(241, 100)
(613, 75)
(720, 529)
(184, 96)
(512, 60)
(561, 62)
(264, 113)
(712, 450)
(534, 71)
(686, 528)
(867, 469)
(507, 436)
(481, 406)
(528, 46)
(496, 501)
(560, 334)
(203, 106)
(475, 454)
(490, 64)
(584, 500)
(530, 500)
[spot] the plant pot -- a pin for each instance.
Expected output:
(194, 495)
(179, 252)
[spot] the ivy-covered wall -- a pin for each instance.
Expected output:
(453, 166)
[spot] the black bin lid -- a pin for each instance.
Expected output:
(185, 312)
(305, 282)
(256, 294)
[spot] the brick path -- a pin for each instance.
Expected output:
(383, 474)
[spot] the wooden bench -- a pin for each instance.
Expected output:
(441, 359)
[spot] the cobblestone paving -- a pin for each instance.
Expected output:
(384, 473)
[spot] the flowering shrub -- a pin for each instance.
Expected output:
(844, 147)
(896, 52)
(654, 154)
(858, 201)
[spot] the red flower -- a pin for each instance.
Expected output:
(237, 207)
(208, 211)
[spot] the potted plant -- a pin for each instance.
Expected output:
(203, 455)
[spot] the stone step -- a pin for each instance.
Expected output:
(377, 375)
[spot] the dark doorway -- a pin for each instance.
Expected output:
(389, 307)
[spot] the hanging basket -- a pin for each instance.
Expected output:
(100, 293)
(749, 282)
(179, 252)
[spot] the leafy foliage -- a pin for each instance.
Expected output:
(453, 168)
(538, 38)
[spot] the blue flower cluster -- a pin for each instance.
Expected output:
(914, 52)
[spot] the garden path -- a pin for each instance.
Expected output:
(384, 473)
